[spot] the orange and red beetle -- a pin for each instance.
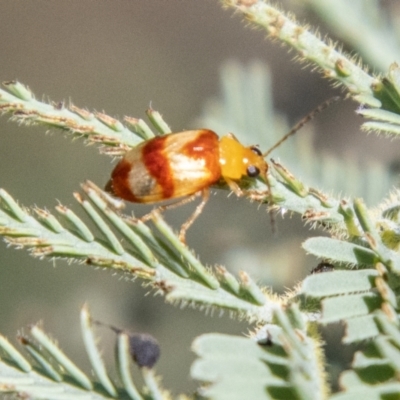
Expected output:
(183, 164)
(187, 163)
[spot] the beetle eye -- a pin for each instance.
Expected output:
(256, 150)
(252, 171)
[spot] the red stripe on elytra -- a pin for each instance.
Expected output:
(157, 165)
(120, 181)
(206, 147)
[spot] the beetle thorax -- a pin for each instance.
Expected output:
(235, 159)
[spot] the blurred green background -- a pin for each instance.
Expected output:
(119, 57)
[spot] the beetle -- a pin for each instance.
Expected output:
(185, 164)
(178, 165)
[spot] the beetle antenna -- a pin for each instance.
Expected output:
(303, 121)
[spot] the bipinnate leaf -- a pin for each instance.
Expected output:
(93, 352)
(387, 119)
(360, 328)
(310, 47)
(375, 369)
(339, 251)
(36, 386)
(371, 91)
(66, 380)
(170, 266)
(233, 365)
(338, 282)
(376, 40)
(337, 308)
(285, 364)
(19, 102)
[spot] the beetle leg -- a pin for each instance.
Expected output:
(161, 209)
(234, 187)
(256, 195)
(205, 194)
(271, 203)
